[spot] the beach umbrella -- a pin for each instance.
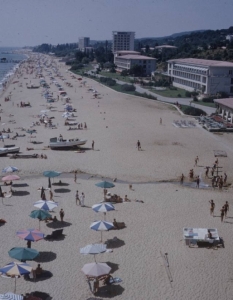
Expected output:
(105, 184)
(10, 169)
(101, 226)
(45, 204)
(16, 269)
(96, 269)
(40, 215)
(10, 178)
(10, 296)
(32, 235)
(93, 249)
(51, 174)
(21, 253)
(103, 207)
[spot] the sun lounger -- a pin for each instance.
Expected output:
(55, 234)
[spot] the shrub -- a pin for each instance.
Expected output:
(195, 99)
(128, 88)
(76, 67)
(179, 95)
(208, 99)
(124, 73)
(188, 94)
(193, 111)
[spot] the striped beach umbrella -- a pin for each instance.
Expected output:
(101, 226)
(10, 296)
(16, 269)
(32, 235)
(103, 207)
(45, 204)
(10, 169)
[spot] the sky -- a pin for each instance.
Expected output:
(33, 22)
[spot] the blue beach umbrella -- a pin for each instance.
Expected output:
(105, 184)
(21, 253)
(103, 207)
(51, 174)
(16, 269)
(101, 226)
(45, 204)
(10, 169)
(40, 214)
(10, 296)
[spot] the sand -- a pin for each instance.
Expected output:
(115, 122)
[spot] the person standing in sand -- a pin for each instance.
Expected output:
(77, 198)
(51, 195)
(197, 182)
(139, 145)
(62, 214)
(222, 210)
(93, 145)
(212, 207)
(226, 208)
(225, 178)
(161, 121)
(196, 161)
(82, 198)
(207, 172)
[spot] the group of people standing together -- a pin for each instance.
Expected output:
(80, 198)
(224, 210)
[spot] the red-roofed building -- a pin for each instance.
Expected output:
(225, 108)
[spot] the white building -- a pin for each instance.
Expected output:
(127, 61)
(83, 43)
(122, 40)
(229, 37)
(206, 76)
(225, 108)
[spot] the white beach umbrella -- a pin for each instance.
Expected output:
(96, 269)
(93, 249)
(45, 204)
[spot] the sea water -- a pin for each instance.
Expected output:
(8, 68)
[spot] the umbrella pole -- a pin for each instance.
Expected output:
(101, 235)
(94, 257)
(15, 285)
(39, 224)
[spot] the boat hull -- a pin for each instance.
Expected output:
(65, 145)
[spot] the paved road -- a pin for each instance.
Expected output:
(182, 101)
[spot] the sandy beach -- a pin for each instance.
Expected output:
(115, 122)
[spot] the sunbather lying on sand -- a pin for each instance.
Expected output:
(118, 225)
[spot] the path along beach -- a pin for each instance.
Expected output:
(116, 122)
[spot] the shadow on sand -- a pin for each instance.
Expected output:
(58, 224)
(20, 185)
(46, 256)
(62, 190)
(110, 291)
(42, 295)
(21, 193)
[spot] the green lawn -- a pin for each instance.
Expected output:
(170, 93)
(85, 69)
(204, 103)
(115, 76)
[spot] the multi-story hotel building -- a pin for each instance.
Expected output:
(83, 43)
(125, 60)
(122, 40)
(206, 76)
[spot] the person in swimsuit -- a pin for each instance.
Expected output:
(226, 208)
(222, 210)
(212, 207)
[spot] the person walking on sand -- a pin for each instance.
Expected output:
(222, 210)
(161, 121)
(82, 198)
(197, 182)
(77, 198)
(139, 145)
(93, 145)
(75, 176)
(62, 214)
(212, 207)
(226, 208)
(196, 161)
(182, 179)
